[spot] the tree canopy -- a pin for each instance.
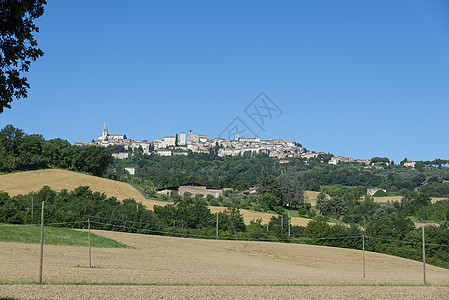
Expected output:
(18, 47)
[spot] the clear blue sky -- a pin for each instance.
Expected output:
(356, 78)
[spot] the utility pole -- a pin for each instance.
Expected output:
(90, 257)
(267, 220)
(42, 244)
(217, 224)
(282, 224)
(423, 255)
(289, 224)
(363, 247)
(32, 209)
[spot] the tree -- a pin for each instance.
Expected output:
(269, 184)
(321, 201)
(10, 139)
(17, 47)
(292, 193)
(267, 201)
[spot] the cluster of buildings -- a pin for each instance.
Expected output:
(180, 145)
(345, 159)
(191, 187)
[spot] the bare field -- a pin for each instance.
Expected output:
(398, 198)
(221, 292)
(176, 268)
(171, 260)
(249, 215)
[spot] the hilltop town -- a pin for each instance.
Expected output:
(183, 143)
(190, 142)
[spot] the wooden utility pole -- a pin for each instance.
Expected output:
(282, 224)
(424, 255)
(42, 244)
(90, 257)
(363, 250)
(217, 224)
(267, 220)
(289, 221)
(32, 210)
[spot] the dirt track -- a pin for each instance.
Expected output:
(222, 292)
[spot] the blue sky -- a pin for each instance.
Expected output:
(356, 78)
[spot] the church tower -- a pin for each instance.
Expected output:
(105, 131)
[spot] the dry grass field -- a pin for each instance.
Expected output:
(249, 215)
(33, 181)
(398, 198)
(173, 268)
(310, 197)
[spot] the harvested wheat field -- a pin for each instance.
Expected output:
(33, 181)
(172, 260)
(222, 292)
(173, 268)
(398, 198)
(249, 215)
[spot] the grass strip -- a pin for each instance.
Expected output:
(55, 236)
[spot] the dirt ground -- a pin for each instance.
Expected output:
(171, 260)
(180, 268)
(221, 292)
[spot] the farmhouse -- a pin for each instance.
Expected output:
(131, 170)
(372, 191)
(191, 187)
(410, 164)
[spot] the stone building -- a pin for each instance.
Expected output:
(108, 137)
(191, 187)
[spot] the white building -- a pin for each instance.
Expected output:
(164, 152)
(169, 141)
(131, 170)
(120, 155)
(372, 191)
(182, 138)
(410, 164)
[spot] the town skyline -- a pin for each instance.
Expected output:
(352, 79)
(182, 143)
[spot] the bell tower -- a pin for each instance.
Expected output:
(105, 131)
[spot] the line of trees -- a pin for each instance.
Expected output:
(20, 152)
(191, 217)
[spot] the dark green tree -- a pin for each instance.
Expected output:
(292, 193)
(17, 47)
(269, 184)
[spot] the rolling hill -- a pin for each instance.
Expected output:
(33, 181)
